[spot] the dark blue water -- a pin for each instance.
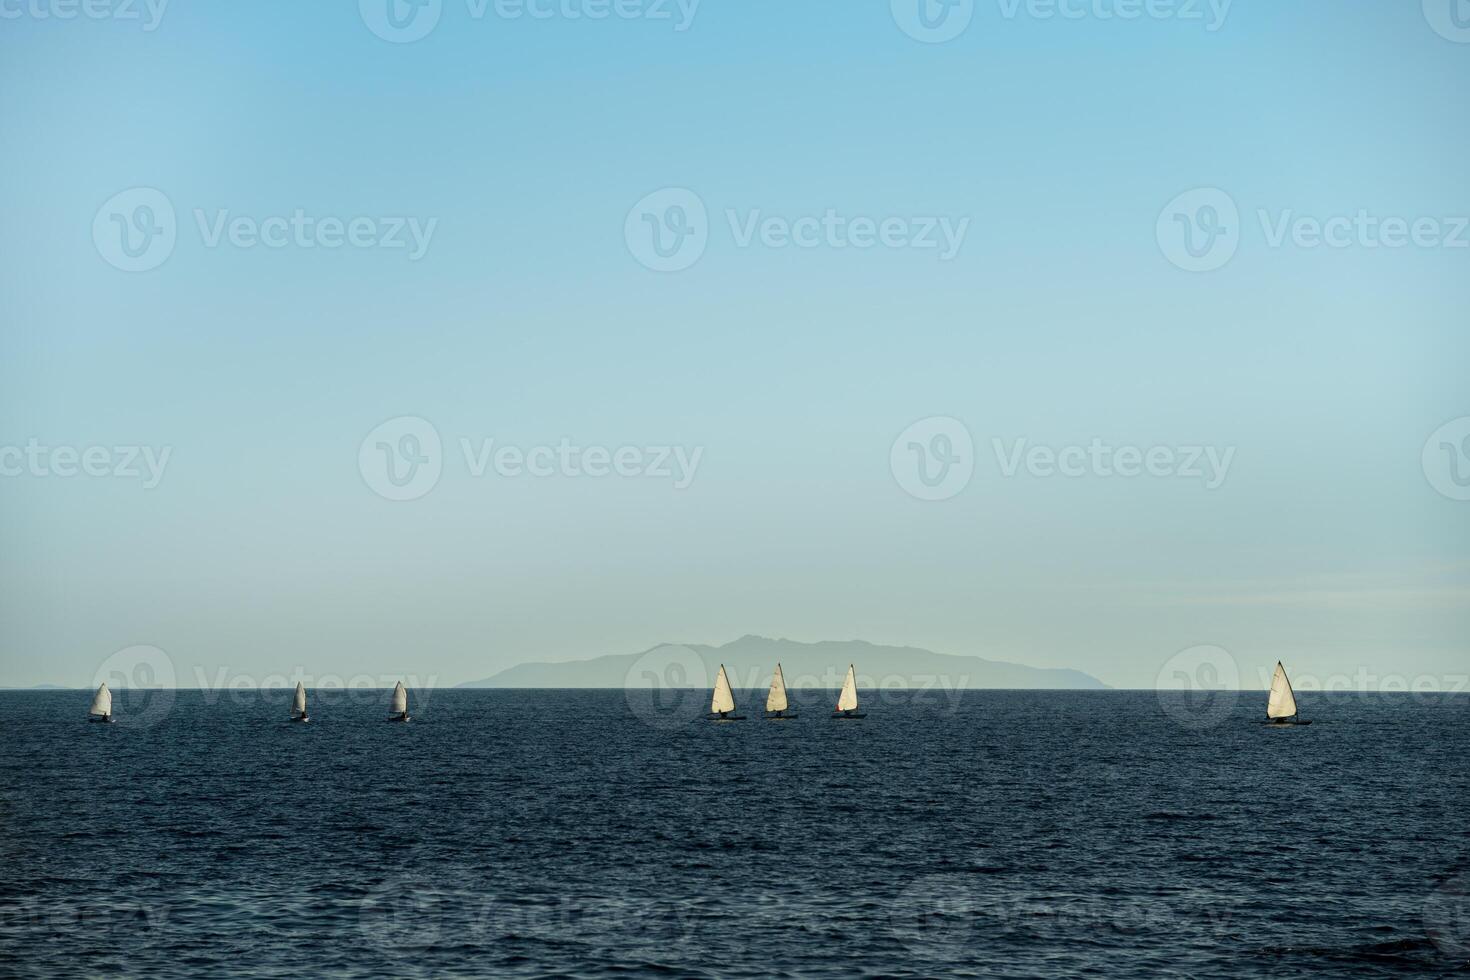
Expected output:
(1011, 834)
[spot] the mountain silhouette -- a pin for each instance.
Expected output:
(751, 659)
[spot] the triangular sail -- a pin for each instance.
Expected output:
(1283, 702)
(400, 700)
(776, 700)
(102, 702)
(298, 704)
(847, 700)
(724, 699)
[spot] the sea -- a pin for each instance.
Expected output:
(608, 834)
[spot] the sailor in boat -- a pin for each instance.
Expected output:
(101, 710)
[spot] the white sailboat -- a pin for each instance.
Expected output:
(1281, 704)
(847, 701)
(298, 704)
(722, 705)
(101, 710)
(398, 710)
(776, 700)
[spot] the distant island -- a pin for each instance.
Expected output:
(751, 659)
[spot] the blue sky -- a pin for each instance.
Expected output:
(1063, 317)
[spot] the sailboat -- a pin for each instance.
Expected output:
(776, 700)
(298, 704)
(722, 705)
(1281, 706)
(847, 700)
(101, 710)
(398, 710)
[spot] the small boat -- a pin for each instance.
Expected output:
(722, 705)
(398, 710)
(1281, 706)
(101, 710)
(847, 700)
(298, 704)
(776, 700)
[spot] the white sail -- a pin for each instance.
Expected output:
(776, 700)
(400, 700)
(298, 705)
(724, 699)
(1283, 702)
(847, 700)
(102, 703)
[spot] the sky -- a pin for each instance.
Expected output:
(350, 339)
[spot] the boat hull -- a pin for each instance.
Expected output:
(100, 719)
(781, 716)
(400, 718)
(727, 718)
(1284, 723)
(854, 715)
